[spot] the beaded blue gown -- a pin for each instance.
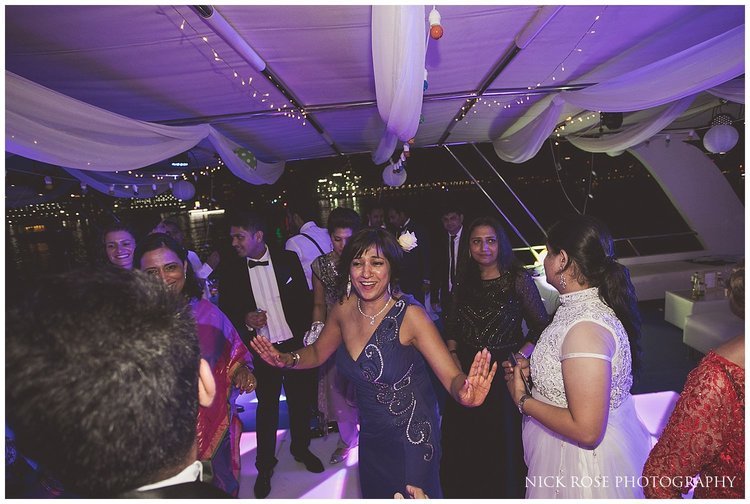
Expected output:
(399, 439)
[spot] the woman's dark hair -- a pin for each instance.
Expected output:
(343, 218)
(736, 287)
(115, 226)
(155, 241)
(468, 276)
(358, 244)
(588, 243)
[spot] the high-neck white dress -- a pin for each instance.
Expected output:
(558, 466)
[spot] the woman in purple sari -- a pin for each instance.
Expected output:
(219, 428)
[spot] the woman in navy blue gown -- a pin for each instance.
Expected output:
(388, 342)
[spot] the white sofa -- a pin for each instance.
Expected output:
(708, 330)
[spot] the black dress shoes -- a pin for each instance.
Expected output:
(263, 484)
(312, 463)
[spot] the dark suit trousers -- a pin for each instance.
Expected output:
(296, 385)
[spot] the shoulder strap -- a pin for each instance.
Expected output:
(314, 242)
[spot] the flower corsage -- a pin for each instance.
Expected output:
(408, 241)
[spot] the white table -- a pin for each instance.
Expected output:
(679, 304)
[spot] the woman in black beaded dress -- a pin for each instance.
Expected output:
(482, 448)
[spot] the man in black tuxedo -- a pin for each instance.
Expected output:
(264, 291)
(451, 249)
(415, 265)
(103, 383)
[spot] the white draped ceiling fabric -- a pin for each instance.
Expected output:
(649, 61)
(398, 53)
(633, 135)
(50, 127)
(677, 78)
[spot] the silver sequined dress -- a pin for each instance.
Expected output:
(337, 398)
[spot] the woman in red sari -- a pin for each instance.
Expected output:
(706, 432)
(219, 429)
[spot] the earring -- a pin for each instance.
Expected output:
(389, 289)
(349, 287)
(563, 283)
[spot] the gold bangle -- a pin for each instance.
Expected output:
(295, 359)
(522, 401)
(243, 365)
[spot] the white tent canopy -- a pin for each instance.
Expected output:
(299, 82)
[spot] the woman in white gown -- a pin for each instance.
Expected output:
(582, 437)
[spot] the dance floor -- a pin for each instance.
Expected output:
(666, 364)
(292, 481)
(341, 481)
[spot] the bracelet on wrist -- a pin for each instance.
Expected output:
(521, 402)
(240, 367)
(295, 359)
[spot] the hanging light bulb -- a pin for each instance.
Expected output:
(436, 30)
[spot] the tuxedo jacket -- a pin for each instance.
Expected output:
(236, 294)
(441, 260)
(415, 265)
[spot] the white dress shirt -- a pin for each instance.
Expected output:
(267, 298)
(306, 250)
(455, 256)
(191, 473)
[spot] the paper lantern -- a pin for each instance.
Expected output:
(183, 190)
(720, 139)
(393, 176)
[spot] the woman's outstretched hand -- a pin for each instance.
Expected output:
(267, 352)
(477, 383)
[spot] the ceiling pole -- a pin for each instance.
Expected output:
(543, 16)
(518, 199)
(476, 182)
(229, 34)
(324, 107)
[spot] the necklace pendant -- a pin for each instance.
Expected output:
(372, 321)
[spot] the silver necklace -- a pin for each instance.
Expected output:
(371, 317)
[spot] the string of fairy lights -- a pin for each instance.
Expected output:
(580, 118)
(288, 109)
(152, 180)
(473, 104)
(207, 170)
